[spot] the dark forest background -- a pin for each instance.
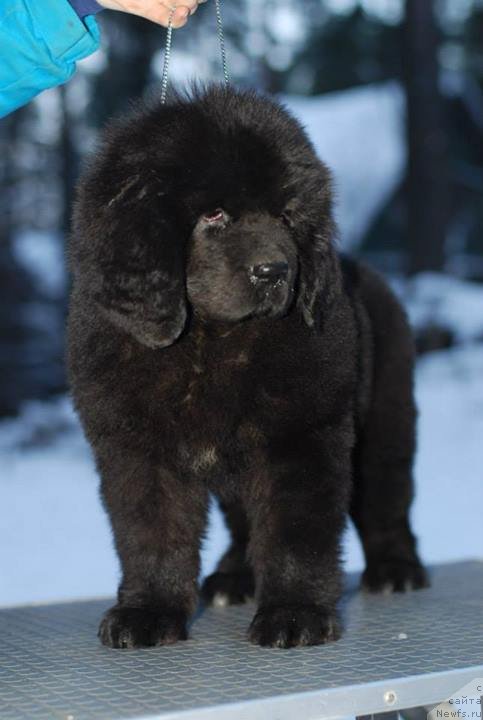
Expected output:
(432, 222)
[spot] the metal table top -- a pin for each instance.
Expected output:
(397, 651)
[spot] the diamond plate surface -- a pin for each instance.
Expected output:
(422, 647)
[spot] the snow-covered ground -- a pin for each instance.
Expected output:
(54, 537)
(438, 299)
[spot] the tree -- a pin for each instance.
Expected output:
(131, 45)
(427, 176)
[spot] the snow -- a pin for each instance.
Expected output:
(445, 301)
(55, 538)
(286, 26)
(448, 468)
(359, 134)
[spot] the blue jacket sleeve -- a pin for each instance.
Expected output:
(40, 43)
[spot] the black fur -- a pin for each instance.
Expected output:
(289, 397)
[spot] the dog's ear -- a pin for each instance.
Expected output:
(127, 252)
(320, 279)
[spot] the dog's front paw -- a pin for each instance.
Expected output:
(221, 588)
(126, 627)
(389, 576)
(292, 625)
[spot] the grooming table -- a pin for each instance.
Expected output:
(398, 652)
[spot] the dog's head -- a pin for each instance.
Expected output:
(240, 265)
(216, 203)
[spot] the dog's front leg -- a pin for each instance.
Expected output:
(157, 521)
(298, 507)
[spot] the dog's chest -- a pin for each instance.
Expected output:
(210, 401)
(208, 415)
(210, 392)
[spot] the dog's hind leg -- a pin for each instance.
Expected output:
(381, 502)
(383, 482)
(232, 583)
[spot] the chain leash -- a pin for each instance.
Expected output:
(167, 56)
(168, 45)
(221, 42)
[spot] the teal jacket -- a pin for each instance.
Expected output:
(40, 43)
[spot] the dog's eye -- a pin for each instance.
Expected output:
(215, 216)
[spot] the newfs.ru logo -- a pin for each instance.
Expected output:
(464, 704)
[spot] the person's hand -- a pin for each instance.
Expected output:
(156, 10)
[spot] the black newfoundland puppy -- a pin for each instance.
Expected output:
(219, 344)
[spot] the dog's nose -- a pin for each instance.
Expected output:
(271, 271)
